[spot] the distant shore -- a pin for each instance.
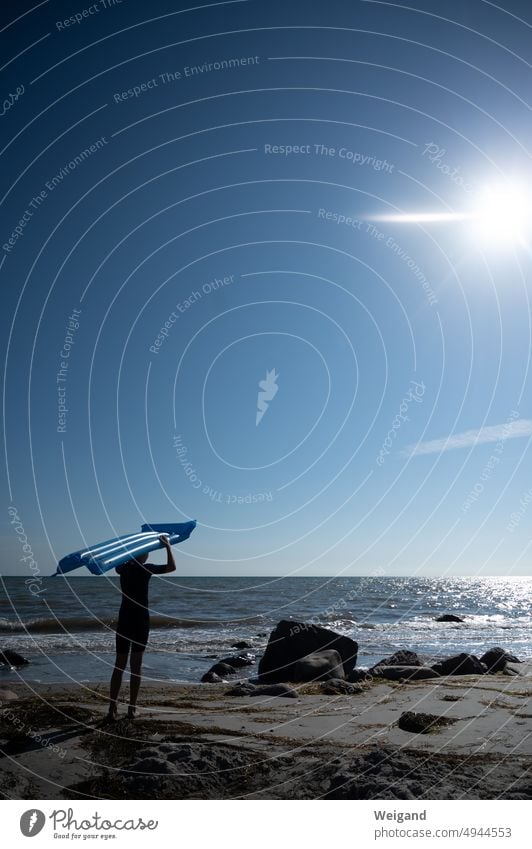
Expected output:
(199, 742)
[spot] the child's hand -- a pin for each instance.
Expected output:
(164, 539)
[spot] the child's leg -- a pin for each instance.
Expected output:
(134, 684)
(116, 682)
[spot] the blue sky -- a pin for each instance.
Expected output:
(197, 230)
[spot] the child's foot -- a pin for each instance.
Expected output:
(112, 714)
(131, 712)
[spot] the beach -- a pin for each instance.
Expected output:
(199, 742)
(458, 736)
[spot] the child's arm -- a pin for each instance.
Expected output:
(170, 563)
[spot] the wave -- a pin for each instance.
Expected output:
(71, 624)
(75, 624)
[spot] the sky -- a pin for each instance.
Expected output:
(267, 265)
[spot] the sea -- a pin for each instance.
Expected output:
(66, 630)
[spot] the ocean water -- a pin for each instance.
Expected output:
(67, 630)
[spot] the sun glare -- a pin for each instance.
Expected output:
(502, 214)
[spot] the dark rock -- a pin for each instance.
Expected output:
(412, 673)
(212, 678)
(338, 686)
(460, 664)
(240, 660)
(400, 658)
(509, 670)
(358, 675)
(449, 617)
(422, 723)
(290, 641)
(497, 658)
(246, 689)
(12, 658)
(222, 669)
(262, 634)
(318, 666)
(241, 644)
(243, 688)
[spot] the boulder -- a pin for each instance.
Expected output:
(460, 664)
(241, 644)
(400, 658)
(244, 688)
(412, 673)
(358, 675)
(509, 670)
(449, 617)
(212, 678)
(290, 641)
(318, 666)
(338, 686)
(240, 660)
(222, 669)
(12, 658)
(497, 658)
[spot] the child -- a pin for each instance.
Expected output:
(133, 626)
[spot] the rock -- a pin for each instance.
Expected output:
(358, 675)
(412, 673)
(290, 641)
(246, 689)
(222, 669)
(509, 670)
(422, 723)
(240, 660)
(262, 634)
(449, 617)
(497, 658)
(318, 666)
(216, 673)
(400, 658)
(338, 686)
(460, 664)
(12, 658)
(241, 645)
(7, 695)
(212, 678)
(243, 688)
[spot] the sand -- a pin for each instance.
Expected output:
(198, 742)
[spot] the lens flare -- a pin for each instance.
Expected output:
(502, 215)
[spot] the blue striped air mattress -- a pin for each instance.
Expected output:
(107, 555)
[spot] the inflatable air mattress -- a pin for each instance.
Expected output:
(107, 555)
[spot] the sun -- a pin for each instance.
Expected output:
(499, 215)
(502, 214)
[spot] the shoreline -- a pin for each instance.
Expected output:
(196, 741)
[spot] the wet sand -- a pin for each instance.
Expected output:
(197, 741)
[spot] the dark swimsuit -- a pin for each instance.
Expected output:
(133, 626)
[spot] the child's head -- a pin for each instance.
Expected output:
(140, 559)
